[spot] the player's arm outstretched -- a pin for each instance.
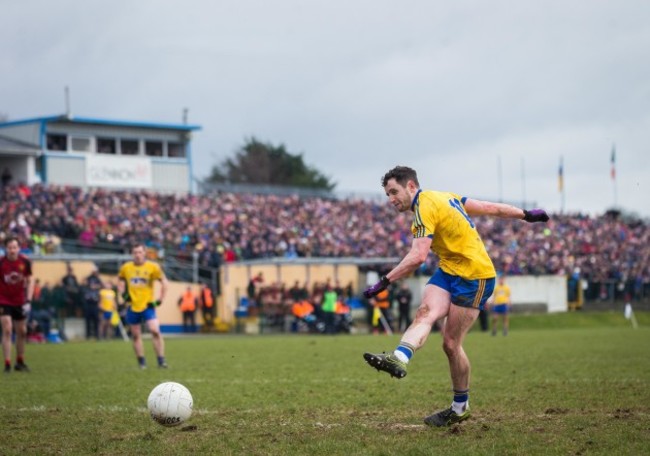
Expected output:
(478, 207)
(416, 256)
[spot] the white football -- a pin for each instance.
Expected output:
(170, 404)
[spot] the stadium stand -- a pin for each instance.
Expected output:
(605, 256)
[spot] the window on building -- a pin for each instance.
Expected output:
(176, 150)
(81, 144)
(130, 147)
(105, 145)
(57, 142)
(154, 148)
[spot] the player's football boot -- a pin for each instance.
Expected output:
(7, 369)
(163, 365)
(446, 417)
(387, 363)
(21, 367)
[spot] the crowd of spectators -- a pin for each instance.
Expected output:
(226, 227)
(302, 306)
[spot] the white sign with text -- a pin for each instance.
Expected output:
(117, 171)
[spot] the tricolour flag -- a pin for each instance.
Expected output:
(613, 160)
(560, 176)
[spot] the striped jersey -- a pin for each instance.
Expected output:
(441, 216)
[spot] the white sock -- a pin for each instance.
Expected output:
(401, 356)
(459, 407)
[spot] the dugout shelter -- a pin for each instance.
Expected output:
(87, 152)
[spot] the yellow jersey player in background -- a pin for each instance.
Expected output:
(457, 290)
(107, 306)
(136, 284)
(501, 304)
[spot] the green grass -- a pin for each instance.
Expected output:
(581, 389)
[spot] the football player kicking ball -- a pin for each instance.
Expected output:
(458, 289)
(136, 284)
(16, 291)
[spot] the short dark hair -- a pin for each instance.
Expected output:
(401, 174)
(11, 239)
(138, 244)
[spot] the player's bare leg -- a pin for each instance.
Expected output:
(459, 321)
(435, 305)
(158, 341)
(21, 337)
(6, 341)
(138, 347)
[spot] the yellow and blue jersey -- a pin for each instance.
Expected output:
(107, 300)
(501, 294)
(139, 282)
(441, 216)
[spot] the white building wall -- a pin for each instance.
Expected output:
(28, 133)
(66, 169)
(171, 176)
(70, 169)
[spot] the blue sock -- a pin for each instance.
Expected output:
(161, 360)
(141, 360)
(405, 351)
(461, 396)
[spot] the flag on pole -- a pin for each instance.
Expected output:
(560, 177)
(613, 160)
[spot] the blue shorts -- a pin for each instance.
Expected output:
(107, 315)
(135, 318)
(500, 309)
(464, 292)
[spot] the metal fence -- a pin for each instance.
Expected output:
(178, 265)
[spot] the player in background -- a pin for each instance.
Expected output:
(458, 289)
(107, 307)
(136, 285)
(501, 306)
(16, 292)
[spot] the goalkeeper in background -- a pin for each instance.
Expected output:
(136, 285)
(458, 289)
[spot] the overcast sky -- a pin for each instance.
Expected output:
(450, 88)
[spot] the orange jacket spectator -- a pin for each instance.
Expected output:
(382, 300)
(302, 308)
(342, 308)
(206, 298)
(187, 302)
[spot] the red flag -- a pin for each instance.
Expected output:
(613, 160)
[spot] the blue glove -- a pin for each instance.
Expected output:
(377, 288)
(535, 215)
